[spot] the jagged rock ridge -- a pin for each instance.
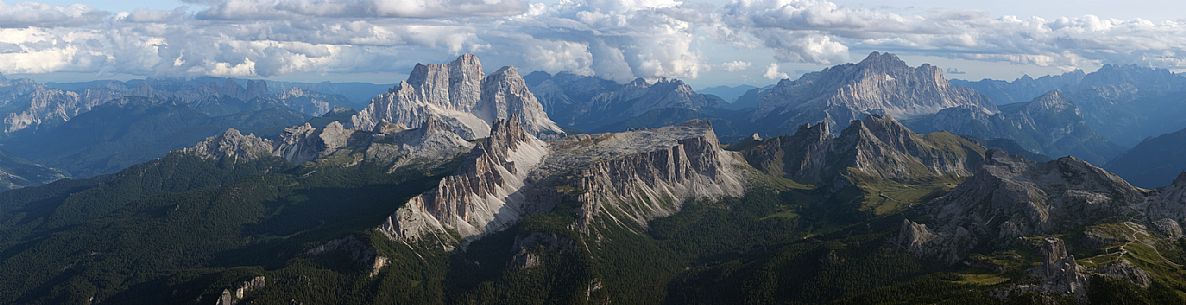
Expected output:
(461, 95)
(304, 143)
(484, 195)
(880, 84)
(875, 147)
(637, 175)
(630, 178)
(1010, 198)
(231, 145)
(1012, 203)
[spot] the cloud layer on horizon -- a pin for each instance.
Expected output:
(615, 39)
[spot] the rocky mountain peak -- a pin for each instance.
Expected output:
(1053, 101)
(505, 95)
(883, 61)
(304, 142)
(231, 145)
(882, 126)
(451, 86)
(875, 147)
(508, 132)
(1082, 174)
(880, 84)
(460, 95)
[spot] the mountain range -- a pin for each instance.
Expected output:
(868, 183)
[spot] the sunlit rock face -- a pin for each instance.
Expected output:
(462, 96)
(879, 84)
(619, 178)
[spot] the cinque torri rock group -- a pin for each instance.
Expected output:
(874, 182)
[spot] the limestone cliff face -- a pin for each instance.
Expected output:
(505, 95)
(639, 186)
(433, 142)
(42, 105)
(459, 93)
(304, 143)
(240, 293)
(624, 178)
(484, 195)
(231, 145)
(1059, 273)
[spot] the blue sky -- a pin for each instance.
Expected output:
(704, 42)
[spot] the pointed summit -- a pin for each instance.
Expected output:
(880, 84)
(1051, 101)
(461, 94)
(883, 60)
(505, 96)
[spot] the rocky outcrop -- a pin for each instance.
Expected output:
(1010, 198)
(873, 148)
(432, 143)
(1167, 209)
(530, 249)
(231, 146)
(880, 84)
(361, 253)
(482, 196)
(622, 179)
(505, 96)
(633, 177)
(1012, 203)
(304, 143)
(916, 238)
(32, 105)
(458, 93)
(1059, 274)
(1124, 270)
(240, 293)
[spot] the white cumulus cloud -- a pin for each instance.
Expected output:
(772, 72)
(615, 39)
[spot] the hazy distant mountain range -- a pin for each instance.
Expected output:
(874, 182)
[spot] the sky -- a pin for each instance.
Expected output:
(703, 42)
